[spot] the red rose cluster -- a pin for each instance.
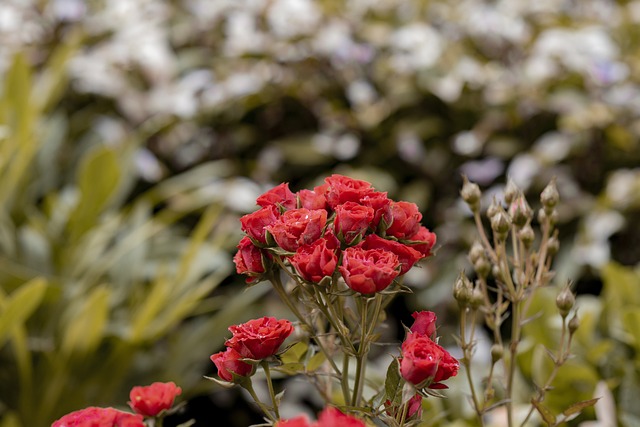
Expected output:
(424, 363)
(329, 417)
(257, 339)
(342, 227)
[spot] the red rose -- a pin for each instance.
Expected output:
(259, 338)
(248, 259)
(149, 401)
(280, 195)
(424, 323)
(315, 261)
(414, 407)
(300, 421)
(254, 224)
(352, 221)
(99, 417)
(425, 361)
(310, 199)
(381, 205)
(228, 363)
(368, 271)
(406, 220)
(333, 417)
(343, 189)
(407, 256)
(298, 227)
(422, 241)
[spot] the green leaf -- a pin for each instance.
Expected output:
(294, 354)
(576, 408)
(316, 361)
(20, 305)
(84, 330)
(290, 368)
(393, 382)
(546, 414)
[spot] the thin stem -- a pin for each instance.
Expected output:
(361, 354)
(483, 237)
(267, 373)
(513, 347)
(466, 349)
(344, 380)
(247, 385)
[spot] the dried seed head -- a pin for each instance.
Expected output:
(574, 324)
(526, 235)
(477, 299)
(553, 245)
(501, 224)
(493, 208)
(496, 352)
(549, 196)
(476, 252)
(565, 301)
(471, 194)
(520, 211)
(510, 191)
(482, 267)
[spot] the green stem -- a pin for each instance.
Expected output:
(513, 347)
(361, 354)
(344, 380)
(267, 373)
(247, 385)
(467, 364)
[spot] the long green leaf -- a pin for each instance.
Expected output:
(20, 305)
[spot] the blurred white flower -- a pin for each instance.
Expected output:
(291, 18)
(415, 47)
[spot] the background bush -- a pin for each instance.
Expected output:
(132, 135)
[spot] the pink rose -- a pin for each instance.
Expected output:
(333, 417)
(259, 338)
(407, 256)
(352, 221)
(368, 271)
(318, 260)
(425, 363)
(343, 189)
(254, 224)
(99, 417)
(149, 401)
(424, 323)
(422, 241)
(228, 363)
(298, 227)
(249, 260)
(278, 196)
(406, 220)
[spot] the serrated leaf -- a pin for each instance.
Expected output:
(576, 408)
(393, 383)
(545, 413)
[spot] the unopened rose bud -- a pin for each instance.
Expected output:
(553, 245)
(500, 224)
(574, 324)
(471, 194)
(565, 301)
(496, 352)
(526, 235)
(542, 216)
(496, 273)
(493, 209)
(476, 252)
(482, 267)
(510, 191)
(477, 299)
(462, 290)
(553, 217)
(549, 196)
(520, 211)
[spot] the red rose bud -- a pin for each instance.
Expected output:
(352, 221)
(254, 224)
(99, 417)
(300, 421)
(343, 189)
(149, 401)
(318, 260)
(381, 205)
(228, 363)
(406, 220)
(425, 363)
(259, 338)
(423, 241)
(407, 256)
(368, 271)
(298, 227)
(310, 199)
(424, 323)
(414, 407)
(333, 417)
(278, 196)
(249, 260)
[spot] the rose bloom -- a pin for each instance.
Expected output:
(300, 421)
(310, 199)
(422, 241)
(259, 338)
(424, 360)
(248, 259)
(368, 271)
(406, 220)
(414, 408)
(228, 363)
(333, 417)
(352, 221)
(254, 223)
(407, 256)
(99, 417)
(381, 205)
(149, 401)
(318, 260)
(280, 195)
(298, 227)
(424, 323)
(343, 189)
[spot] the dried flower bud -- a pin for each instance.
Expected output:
(476, 252)
(471, 194)
(477, 299)
(553, 245)
(510, 191)
(549, 196)
(496, 272)
(500, 223)
(493, 209)
(526, 235)
(482, 267)
(542, 216)
(520, 211)
(565, 301)
(496, 352)
(462, 290)
(574, 324)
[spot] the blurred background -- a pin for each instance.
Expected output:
(134, 133)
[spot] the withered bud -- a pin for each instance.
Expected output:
(510, 191)
(500, 224)
(574, 324)
(471, 194)
(496, 352)
(497, 273)
(493, 208)
(477, 299)
(542, 216)
(549, 196)
(553, 217)
(553, 245)
(565, 301)
(482, 267)
(476, 252)
(520, 211)
(527, 236)
(462, 290)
